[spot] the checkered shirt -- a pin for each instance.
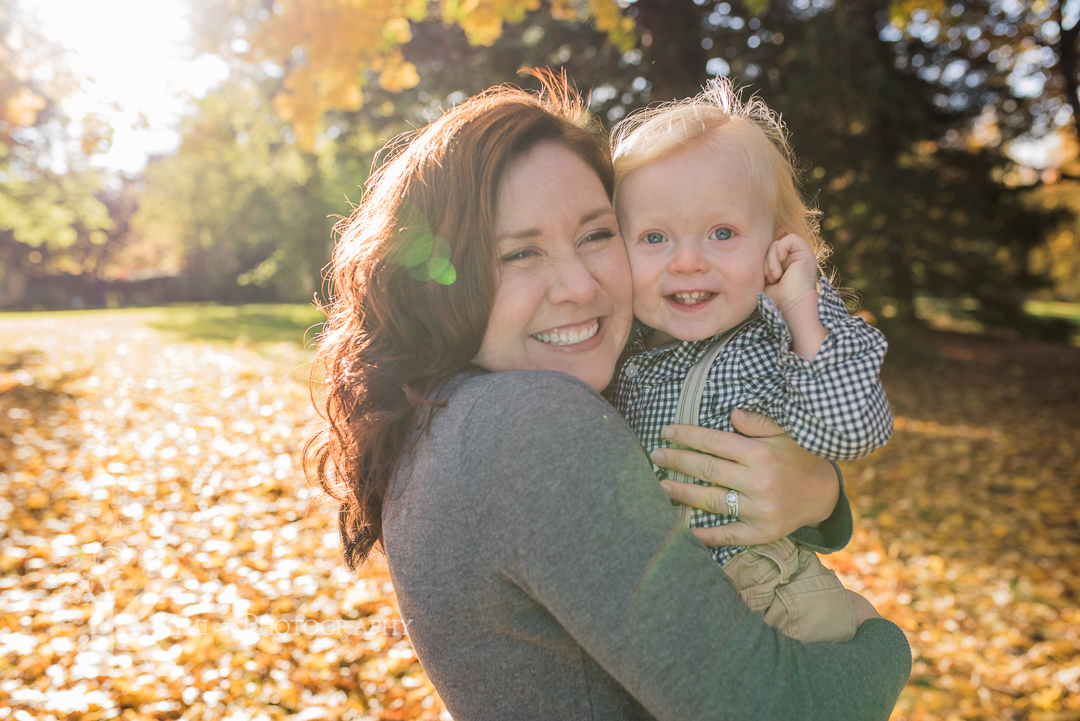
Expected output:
(833, 406)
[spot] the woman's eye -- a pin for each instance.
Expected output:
(654, 238)
(722, 234)
(599, 235)
(518, 255)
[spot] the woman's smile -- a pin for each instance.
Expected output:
(569, 335)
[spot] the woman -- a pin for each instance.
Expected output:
(540, 565)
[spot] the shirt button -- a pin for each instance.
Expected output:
(631, 371)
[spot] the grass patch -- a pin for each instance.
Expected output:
(1054, 309)
(29, 316)
(256, 324)
(958, 314)
(263, 323)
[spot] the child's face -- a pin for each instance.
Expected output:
(697, 234)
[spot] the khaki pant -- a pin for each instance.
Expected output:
(797, 594)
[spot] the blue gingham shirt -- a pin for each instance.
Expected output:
(833, 406)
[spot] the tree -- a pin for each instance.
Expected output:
(911, 200)
(336, 158)
(238, 207)
(1015, 60)
(908, 167)
(330, 51)
(55, 214)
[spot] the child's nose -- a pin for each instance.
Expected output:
(688, 258)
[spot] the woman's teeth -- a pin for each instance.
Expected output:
(691, 298)
(569, 337)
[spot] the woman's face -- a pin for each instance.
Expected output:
(564, 296)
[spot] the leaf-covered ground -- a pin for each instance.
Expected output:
(968, 528)
(161, 556)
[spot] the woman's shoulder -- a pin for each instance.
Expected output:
(523, 388)
(509, 426)
(491, 407)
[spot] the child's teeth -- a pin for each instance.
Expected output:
(569, 337)
(691, 297)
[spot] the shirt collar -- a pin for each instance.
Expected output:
(687, 352)
(680, 352)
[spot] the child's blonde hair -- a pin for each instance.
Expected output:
(719, 119)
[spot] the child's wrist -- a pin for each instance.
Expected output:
(807, 332)
(800, 307)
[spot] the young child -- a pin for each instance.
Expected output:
(719, 239)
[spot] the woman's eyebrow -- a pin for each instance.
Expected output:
(535, 232)
(518, 235)
(594, 214)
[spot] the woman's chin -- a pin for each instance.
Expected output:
(591, 361)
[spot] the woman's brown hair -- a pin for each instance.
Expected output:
(414, 274)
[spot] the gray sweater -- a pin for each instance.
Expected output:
(544, 575)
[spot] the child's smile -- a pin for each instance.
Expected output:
(693, 298)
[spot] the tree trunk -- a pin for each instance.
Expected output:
(671, 35)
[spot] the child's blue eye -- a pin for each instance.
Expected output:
(654, 238)
(721, 234)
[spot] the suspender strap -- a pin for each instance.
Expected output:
(688, 411)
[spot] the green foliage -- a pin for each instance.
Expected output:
(239, 205)
(896, 151)
(910, 204)
(756, 7)
(51, 221)
(1051, 309)
(52, 211)
(1059, 257)
(1015, 62)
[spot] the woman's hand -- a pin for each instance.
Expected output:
(781, 486)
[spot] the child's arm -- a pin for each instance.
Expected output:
(791, 272)
(833, 405)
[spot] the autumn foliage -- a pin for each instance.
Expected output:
(333, 48)
(161, 556)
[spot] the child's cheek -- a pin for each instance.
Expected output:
(646, 299)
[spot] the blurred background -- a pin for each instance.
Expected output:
(201, 150)
(170, 175)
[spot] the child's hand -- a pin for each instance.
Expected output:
(791, 273)
(791, 282)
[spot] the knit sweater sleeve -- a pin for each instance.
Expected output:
(570, 512)
(834, 532)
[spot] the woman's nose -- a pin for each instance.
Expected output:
(687, 259)
(571, 281)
